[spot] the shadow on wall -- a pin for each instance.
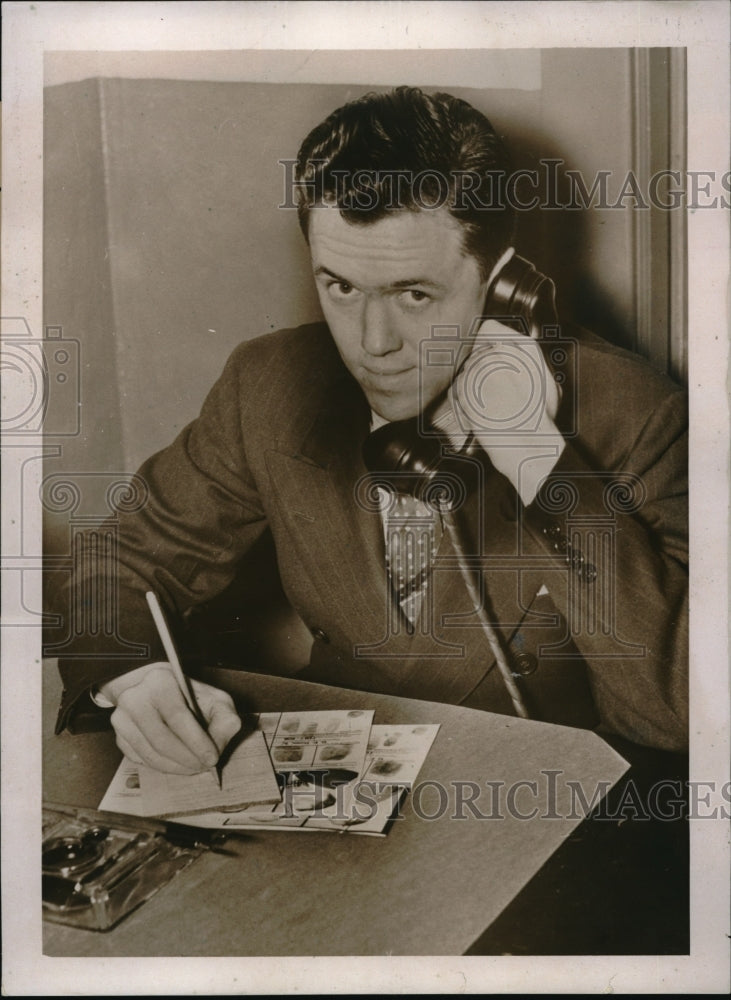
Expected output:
(564, 244)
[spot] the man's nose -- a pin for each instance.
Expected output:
(378, 335)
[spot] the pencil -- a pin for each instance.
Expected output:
(186, 688)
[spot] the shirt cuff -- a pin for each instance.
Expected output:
(533, 472)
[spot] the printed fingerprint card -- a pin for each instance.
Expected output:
(247, 777)
(393, 760)
(318, 741)
(395, 753)
(365, 804)
(123, 794)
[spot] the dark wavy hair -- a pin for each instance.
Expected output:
(407, 150)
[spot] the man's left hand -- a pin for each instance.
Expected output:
(506, 395)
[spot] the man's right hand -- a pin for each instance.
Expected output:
(154, 725)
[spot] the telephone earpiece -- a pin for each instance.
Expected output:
(519, 290)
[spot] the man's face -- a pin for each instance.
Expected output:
(383, 287)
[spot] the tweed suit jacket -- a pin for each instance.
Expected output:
(587, 585)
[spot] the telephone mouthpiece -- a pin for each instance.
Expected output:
(398, 447)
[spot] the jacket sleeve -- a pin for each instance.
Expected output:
(202, 512)
(616, 547)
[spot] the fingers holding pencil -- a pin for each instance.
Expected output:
(154, 725)
(220, 713)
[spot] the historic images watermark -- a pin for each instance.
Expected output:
(554, 797)
(548, 188)
(44, 411)
(46, 376)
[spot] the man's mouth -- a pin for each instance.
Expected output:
(386, 372)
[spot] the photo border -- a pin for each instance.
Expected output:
(702, 27)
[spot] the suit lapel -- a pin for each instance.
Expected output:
(321, 493)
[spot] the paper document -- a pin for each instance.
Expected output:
(304, 741)
(365, 804)
(395, 753)
(247, 777)
(124, 794)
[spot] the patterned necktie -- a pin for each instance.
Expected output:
(413, 532)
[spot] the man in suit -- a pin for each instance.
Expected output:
(568, 455)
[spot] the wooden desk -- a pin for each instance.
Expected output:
(430, 887)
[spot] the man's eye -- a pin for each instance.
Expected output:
(413, 296)
(340, 289)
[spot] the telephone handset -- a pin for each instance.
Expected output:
(405, 459)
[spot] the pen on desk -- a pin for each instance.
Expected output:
(186, 688)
